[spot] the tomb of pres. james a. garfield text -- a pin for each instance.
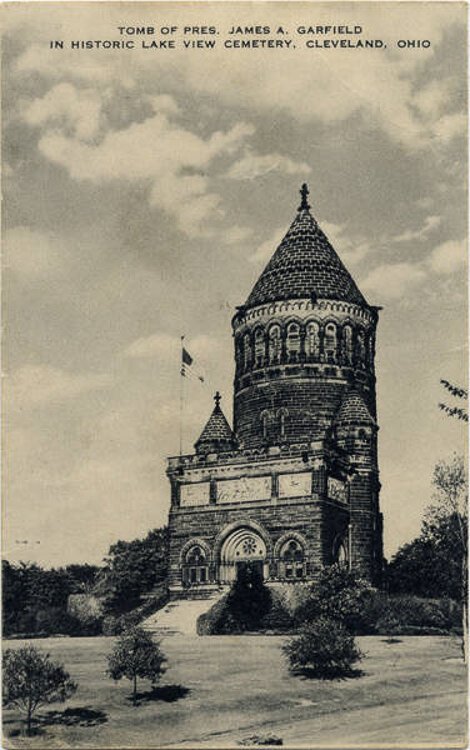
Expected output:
(294, 485)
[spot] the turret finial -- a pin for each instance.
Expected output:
(304, 192)
(217, 399)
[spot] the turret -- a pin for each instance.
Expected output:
(304, 335)
(217, 435)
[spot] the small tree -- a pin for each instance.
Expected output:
(31, 679)
(324, 649)
(450, 509)
(135, 654)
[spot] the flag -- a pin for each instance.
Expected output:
(187, 369)
(186, 358)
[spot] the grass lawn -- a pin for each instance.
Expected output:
(220, 689)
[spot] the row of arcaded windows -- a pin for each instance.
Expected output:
(291, 564)
(296, 343)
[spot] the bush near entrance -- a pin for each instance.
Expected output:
(242, 609)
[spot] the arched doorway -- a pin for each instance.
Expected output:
(244, 546)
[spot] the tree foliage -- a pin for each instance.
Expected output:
(136, 655)
(35, 599)
(339, 594)
(324, 648)
(434, 564)
(460, 412)
(31, 679)
(134, 568)
(249, 600)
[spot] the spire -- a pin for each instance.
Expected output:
(217, 435)
(304, 192)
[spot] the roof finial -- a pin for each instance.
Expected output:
(304, 192)
(217, 399)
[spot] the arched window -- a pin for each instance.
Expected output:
(341, 556)
(264, 422)
(312, 341)
(282, 414)
(360, 348)
(246, 352)
(239, 352)
(259, 348)
(195, 566)
(292, 560)
(330, 342)
(293, 342)
(274, 345)
(347, 344)
(370, 349)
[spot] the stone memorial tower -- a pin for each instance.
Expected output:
(294, 485)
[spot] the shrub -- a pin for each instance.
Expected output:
(339, 595)
(323, 649)
(135, 654)
(210, 622)
(402, 615)
(249, 599)
(241, 610)
(261, 739)
(278, 618)
(31, 678)
(87, 611)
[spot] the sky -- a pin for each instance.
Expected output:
(144, 190)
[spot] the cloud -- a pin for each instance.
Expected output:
(395, 280)
(264, 251)
(171, 160)
(430, 223)
(77, 111)
(157, 345)
(392, 281)
(351, 249)
(164, 103)
(450, 126)
(386, 89)
(236, 234)
(432, 98)
(252, 165)
(33, 254)
(36, 385)
(448, 257)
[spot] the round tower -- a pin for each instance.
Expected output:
(304, 335)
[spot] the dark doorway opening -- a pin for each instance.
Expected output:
(250, 566)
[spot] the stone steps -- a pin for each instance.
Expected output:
(179, 616)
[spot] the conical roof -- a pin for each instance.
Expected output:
(305, 264)
(353, 410)
(217, 435)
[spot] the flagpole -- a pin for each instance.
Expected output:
(181, 397)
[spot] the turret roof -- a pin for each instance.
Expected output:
(305, 264)
(217, 434)
(353, 410)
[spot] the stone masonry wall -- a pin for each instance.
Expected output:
(302, 516)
